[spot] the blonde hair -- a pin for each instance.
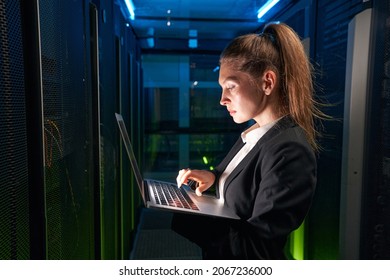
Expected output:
(279, 48)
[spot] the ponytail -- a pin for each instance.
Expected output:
(296, 74)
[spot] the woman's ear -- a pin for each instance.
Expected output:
(268, 82)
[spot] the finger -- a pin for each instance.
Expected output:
(186, 175)
(183, 176)
(200, 189)
(179, 177)
(198, 192)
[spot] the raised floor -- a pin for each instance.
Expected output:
(155, 240)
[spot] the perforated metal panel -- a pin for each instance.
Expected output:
(375, 235)
(14, 204)
(68, 148)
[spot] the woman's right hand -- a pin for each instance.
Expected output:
(204, 179)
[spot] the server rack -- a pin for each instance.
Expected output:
(59, 170)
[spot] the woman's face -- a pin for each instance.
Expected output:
(242, 98)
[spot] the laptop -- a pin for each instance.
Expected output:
(167, 196)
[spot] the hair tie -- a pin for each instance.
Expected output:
(270, 36)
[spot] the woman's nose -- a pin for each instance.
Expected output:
(224, 99)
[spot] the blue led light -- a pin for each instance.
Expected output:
(130, 8)
(266, 7)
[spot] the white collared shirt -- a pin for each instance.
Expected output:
(250, 137)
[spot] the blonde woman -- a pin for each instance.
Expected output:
(269, 175)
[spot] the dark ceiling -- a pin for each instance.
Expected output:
(167, 25)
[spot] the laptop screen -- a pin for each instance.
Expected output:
(130, 152)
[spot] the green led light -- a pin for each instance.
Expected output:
(205, 160)
(211, 167)
(297, 243)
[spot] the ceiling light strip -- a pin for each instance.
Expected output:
(130, 8)
(266, 7)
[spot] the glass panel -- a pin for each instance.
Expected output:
(161, 108)
(207, 150)
(207, 113)
(204, 68)
(161, 153)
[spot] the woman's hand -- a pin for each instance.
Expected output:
(204, 179)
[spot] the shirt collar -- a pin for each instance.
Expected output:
(255, 132)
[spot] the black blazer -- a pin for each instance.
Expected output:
(271, 190)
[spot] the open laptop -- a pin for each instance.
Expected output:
(164, 195)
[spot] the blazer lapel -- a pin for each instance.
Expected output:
(281, 125)
(233, 151)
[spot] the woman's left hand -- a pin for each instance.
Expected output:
(204, 179)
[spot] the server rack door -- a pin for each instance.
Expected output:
(67, 138)
(14, 188)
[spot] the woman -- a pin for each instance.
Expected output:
(268, 177)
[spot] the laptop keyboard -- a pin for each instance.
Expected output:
(169, 194)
